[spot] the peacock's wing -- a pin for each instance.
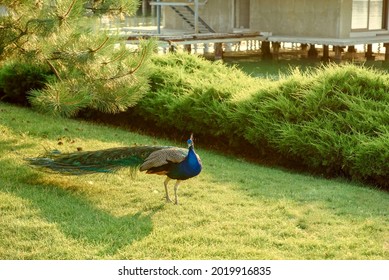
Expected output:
(164, 156)
(100, 161)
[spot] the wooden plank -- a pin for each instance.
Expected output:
(195, 41)
(330, 41)
(200, 38)
(206, 36)
(154, 3)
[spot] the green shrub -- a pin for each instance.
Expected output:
(369, 158)
(333, 120)
(320, 121)
(17, 79)
(191, 94)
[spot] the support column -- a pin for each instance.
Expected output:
(386, 45)
(326, 53)
(218, 51)
(369, 54)
(351, 49)
(206, 48)
(196, 16)
(158, 18)
(351, 53)
(338, 53)
(304, 47)
(276, 49)
(265, 50)
(172, 47)
(153, 10)
(312, 52)
(188, 48)
(144, 8)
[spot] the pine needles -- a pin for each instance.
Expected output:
(91, 69)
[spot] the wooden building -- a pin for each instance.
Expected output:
(308, 22)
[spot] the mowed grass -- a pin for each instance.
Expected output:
(233, 210)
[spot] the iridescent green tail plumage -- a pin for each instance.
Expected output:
(175, 163)
(100, 161)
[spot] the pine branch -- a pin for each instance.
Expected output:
(63, 17)
(54, 70)
(123, 53)
(89, 71)
(132, 71)
(19, 46)
(60, 54)
(17, 29)
(22, 32)
(99, 47)
(140, 62)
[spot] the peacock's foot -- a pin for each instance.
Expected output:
(168, 200)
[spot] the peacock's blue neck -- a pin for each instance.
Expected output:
(188, 168)
(193, 161)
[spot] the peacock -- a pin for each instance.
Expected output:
(176, 163)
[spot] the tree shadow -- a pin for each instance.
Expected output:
(77, 217)
(339, 196)
(13, 146)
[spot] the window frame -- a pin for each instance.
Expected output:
(385, 17)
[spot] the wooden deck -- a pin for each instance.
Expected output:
(210, 44)
(330, 41)
(250, 43)
(187, 39)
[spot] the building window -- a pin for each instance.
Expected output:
(242, 14)
(369, 14)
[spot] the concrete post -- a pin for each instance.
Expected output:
(196, 19)
(386, 45)
(326, 55)
(338, 53)
(144, 8)
(351, 49)
(369, 54)
(218, 51)
(276, 49)
(265, 50)
(312, 52)
(158, 18)
(188, 48)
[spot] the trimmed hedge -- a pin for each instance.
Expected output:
(18, 78)
(333, 120)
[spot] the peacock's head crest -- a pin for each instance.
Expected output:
(190, 141)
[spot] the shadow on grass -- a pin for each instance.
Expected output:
(260, 183)
(12, 146)
(77, 217)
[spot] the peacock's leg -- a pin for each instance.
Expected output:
(166, 190)
(175, 190)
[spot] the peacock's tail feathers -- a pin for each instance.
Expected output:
(100, 161)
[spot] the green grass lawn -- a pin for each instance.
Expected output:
(232, 210)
